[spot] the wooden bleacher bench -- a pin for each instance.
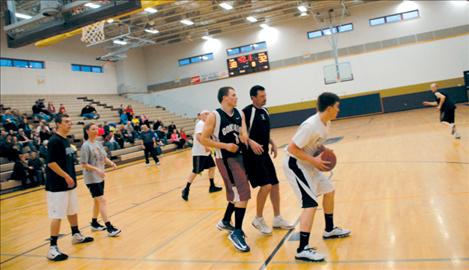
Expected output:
(7, 167)
(9, 184)
(126, 150)
(4, 176)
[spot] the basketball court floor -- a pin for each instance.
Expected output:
(402, 187)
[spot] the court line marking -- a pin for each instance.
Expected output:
(280, 244)
(189, 261)
(84, 227)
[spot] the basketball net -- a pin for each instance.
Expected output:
(93, 33)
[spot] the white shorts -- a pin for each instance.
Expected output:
(62, 204)
(307, 183)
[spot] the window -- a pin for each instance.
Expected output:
(410, 15)
(329, 31)
(86, 68)
(21, 63)
(314, 34)
(377, 21)
(247, 48)
(395, 17)
(345, 28)
(195, 59)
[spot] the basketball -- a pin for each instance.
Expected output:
(328, 155)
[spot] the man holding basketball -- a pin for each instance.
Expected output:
(303, 171)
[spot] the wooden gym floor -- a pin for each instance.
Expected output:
(402, 187)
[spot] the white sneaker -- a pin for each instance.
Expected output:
(79, 238)
(280, 223)
(55, 255)
(259, 224)
(336, 233)
(147, 165)
(456, 135)
(310, 255)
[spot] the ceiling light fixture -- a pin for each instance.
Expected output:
(151, 10)
(187, 22)
(119, 42)
(92, 5)
(152, 31)
(302, 8)
(251, 19)
(226, 6)
(22, 16)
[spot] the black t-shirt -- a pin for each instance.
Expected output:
(148, 136)
(229, 128)
(260, 129)
(447, 105)
(59, 151)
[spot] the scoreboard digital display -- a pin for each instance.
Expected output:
(246, 64)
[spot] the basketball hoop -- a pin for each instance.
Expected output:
(93, 33)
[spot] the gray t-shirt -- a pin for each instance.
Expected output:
(94, 155)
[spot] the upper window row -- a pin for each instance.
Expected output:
(328, 31)
(247, 48)
(86, 68)
(395, 17)
(20, 63)
(195, 59)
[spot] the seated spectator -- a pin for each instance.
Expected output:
(121, 109)
(162, 133)
(129, 133)
(144, 120)
(171, 127)
(106, 128)
(118, 137)
(43, 150)
(183, 135)
(7, 149)
(22, 172)
(111, 143)
(39, 111)
(62, 109)
(44, 131)
(25, 126)
(100, 130)
(136, 124)
(37, 168)
(123, 119)
(10, 125)
(129, 111)
(8, 115)
(176, 139)
(25, 141)
(51, 108)
(89, 112)
(157, 125)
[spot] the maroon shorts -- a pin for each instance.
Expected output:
(232, 171)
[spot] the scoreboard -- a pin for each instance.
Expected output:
(246, 64)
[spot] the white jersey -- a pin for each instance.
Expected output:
(311, 134)
(198, 149)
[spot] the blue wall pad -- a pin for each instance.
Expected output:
(360, 105)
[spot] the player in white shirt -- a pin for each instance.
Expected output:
(201, 158)
(303, 168)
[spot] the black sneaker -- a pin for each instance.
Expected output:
(237, 238)
(113, 231)
(225, 225)
(97, 227)
(212, 189)
(185, 194)
(56, 255)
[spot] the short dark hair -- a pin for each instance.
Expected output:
(59, 117)
(327, 99)
(222, 92)
(255, 89)
(85, 129)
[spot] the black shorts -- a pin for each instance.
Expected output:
(200, 163)
(260, 169)
(96, 189)
(447, 116)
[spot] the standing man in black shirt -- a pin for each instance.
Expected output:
(149, 143)
(446, 107)
(61, 185)
(225, 130)
(258, 164)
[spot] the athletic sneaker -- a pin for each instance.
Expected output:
(212, 189)
(147, 164)
(158, 163)
(113, 232)
(237, 238)
(336, 233)
(310, 255)
(259, 223)
(79, 238)
(225, 225)
(280, 223)
(457, 136)
(185, 194)
(97, 227)
(55, 255)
